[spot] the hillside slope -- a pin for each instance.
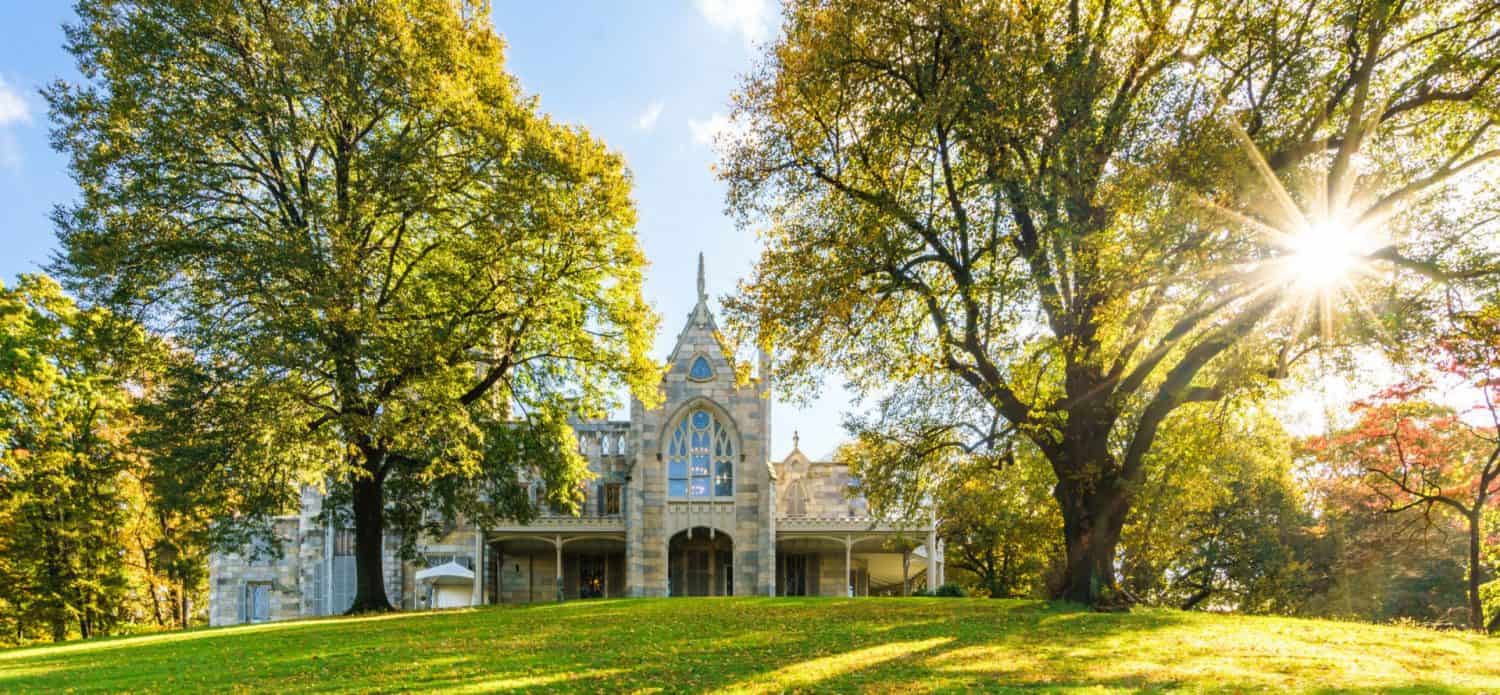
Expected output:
(771, 645)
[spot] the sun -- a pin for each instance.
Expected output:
(1324, 256)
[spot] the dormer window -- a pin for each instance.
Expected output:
(796, 500)
(700, 371)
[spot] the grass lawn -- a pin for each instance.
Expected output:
(773, 645)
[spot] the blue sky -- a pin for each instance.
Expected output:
(652, 79)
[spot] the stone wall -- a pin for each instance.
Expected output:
(826, 488)
(831, 578)
(231, 574)
(298, 575)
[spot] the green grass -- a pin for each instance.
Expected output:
(772, 645)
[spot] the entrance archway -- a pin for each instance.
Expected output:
(700, 562)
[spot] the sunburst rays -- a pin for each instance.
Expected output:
(1317, 242)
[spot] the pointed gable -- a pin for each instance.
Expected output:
(700, 352)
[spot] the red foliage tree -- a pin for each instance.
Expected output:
(1416, 455)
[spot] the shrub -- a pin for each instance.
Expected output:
(950, 590)
(1489, 597)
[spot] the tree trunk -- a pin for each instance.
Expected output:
(182, 606)
(1476, 606)
(57, 615)
(1199, 597)
(1004, 581)
(369, 523)
(161, 618)
(1092, 521)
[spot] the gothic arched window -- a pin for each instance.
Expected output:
(700, 458)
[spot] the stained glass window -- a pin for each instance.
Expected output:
(700, 369)
(700, 458)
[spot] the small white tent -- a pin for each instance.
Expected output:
(451, 585)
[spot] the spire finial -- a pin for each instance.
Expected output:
(702, 295)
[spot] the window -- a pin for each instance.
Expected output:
(700, 458)
(612, 493)
(796, 500)
(343, 543)
(342, 583)
(538, 493)
(258, 600)
(700, 371)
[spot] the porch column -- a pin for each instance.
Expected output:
(476, 597)
(932, 577)
(848, 565)
(557, 540)
(328, 566)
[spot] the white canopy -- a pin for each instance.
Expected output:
(446, 573)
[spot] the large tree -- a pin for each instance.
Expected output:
(1091, 213)
(403, 276)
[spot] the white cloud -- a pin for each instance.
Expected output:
(750, 18)
(13, 111)
(648, 118)
(13, 108)
(715, 130)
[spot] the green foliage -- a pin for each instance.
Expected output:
(950, 590)
(374, 248)
(1490, 594)
(1220, 521)
(67, 497)
(191, 424)
(772, 645)
(999, 525)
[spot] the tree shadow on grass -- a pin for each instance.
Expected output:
(677, 644)
(691, 645)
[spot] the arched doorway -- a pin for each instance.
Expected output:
(700, 562)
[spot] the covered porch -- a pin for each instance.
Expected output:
(843, 557)
(533, 567)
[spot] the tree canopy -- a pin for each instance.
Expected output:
(1418, 456)
(1088, 215)
(397, 275)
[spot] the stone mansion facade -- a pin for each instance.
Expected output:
(686, 501)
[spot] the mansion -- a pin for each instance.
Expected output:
(685, 501)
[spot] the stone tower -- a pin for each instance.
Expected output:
(670, 513)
